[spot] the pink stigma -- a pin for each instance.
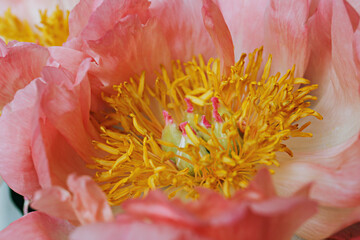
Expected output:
(205, 122)
(182, 128)
(190, 108)
(167, 117)
(216, 115)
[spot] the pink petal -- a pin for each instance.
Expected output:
(128, 37)
(19, 67)
(184, 40)
(286, 35)
(332, 66)
(84, 203)
(3, 48)
(38, 226)
(89, 202)
(355, 4)
(66, 104)
(219, 32)
(67, 58)
(80, 15)
(245, 19)
(16, 165)
(240, 217)
(56, 202)
(133, 230)
(114, 10)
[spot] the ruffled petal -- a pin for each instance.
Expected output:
(38, 226)
(89, 202)
(84, 203)
(19, 67)
(219, 32)
(55, 201)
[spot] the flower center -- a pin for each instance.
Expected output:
(216, 131)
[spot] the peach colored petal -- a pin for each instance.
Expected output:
(3, 48)
(286, 35)
(335, 187)
(16, 166)
(37, 226)
(332, 66)
(245, 19)
(80, 15)
(83, 203)
(184, 40)
(89, 202)
(19, 67)
(71, 117)
(55, 201)
(219, 32)
(115, 10)
(132, 230)
(238, 218)
(128, 37)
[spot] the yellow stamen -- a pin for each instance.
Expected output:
(53, 29)
(257, 113)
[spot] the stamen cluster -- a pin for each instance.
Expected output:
(216, 131)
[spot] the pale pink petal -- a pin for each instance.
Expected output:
(89, 202)
(83, 203)
(37, 226)
(328, 221)
(245, 19)
(133, 230)
(332, 66)
(3, 48)
(240, 217)
(80, 15)
(16, 165)
(129, 54)
(219, 32)
(62, 57)
(56, 202)
(335, 186)
(184, 40)
(286, 35)
(19, 67)
(114, 10)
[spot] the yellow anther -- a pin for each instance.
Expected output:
(107, 148)
(140, 129)
(190, 133)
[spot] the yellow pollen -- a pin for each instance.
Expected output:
(53, 29)
(245, 117)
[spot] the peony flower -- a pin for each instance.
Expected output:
(80, 117)
(155, 217)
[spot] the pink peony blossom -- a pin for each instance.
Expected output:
(53, 111)
(254, 213)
